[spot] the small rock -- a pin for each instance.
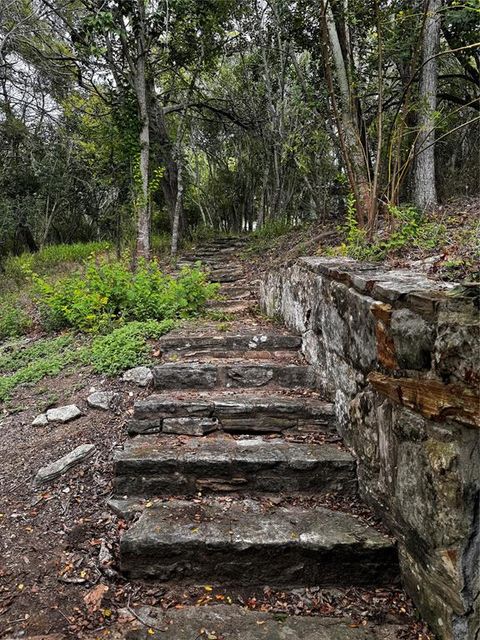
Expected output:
(61, 466)
(139, 375)
(63, 414)
(103, 400)
(40, 421)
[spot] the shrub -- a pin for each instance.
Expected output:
(107, 293)
(125, 347)
(14, 320)
(410, 230)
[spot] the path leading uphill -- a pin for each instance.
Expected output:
(234, 481)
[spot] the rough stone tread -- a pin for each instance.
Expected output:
(232, 622)
(242, 543)
(150, 466)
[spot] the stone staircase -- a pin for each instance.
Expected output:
(220, 460)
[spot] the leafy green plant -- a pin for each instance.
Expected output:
(27, 363)
(108, 293)
(356, 243)
(126, 346)
(14, 320)
(430, 235)
(410, 229)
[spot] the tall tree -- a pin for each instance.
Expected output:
(347, 114)
(425, 191)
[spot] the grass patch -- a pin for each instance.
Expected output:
(17, 268)
(28, 363)
(14, 319)
(126, 347)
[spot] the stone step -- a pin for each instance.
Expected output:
(235, 357)
(204, 375)
(163, 465)
(229, 342)
(232, 306)
(211, 262)
(213, 252)
(247, 542)
(243, 412)
(236, 293)
(214, 261)
(229, 241)
(233, 622)
(221, 276)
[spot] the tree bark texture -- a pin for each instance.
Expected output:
(425, 192)
(356, 156)
(140, 81)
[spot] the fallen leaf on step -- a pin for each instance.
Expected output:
(94, 597)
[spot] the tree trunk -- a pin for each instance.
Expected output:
(425, 192)
(143, 213)
(356, 158)
(177, 214)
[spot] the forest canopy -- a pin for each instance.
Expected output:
(134, 120)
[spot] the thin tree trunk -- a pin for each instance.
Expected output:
(357, 160)
(143, 214)
(425, 192)
(177, 214)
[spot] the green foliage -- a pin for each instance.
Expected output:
(17, 268)
(14, 320)
(108, 293)
(263, 237)
(126, 346)
(410, 230)
(356, 243)
(27, 363)
(460, 269)
(205, 233)
(160, 244)
(273, 229)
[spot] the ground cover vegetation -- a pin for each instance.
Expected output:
(102, 313)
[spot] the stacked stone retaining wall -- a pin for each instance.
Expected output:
(399, 354)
